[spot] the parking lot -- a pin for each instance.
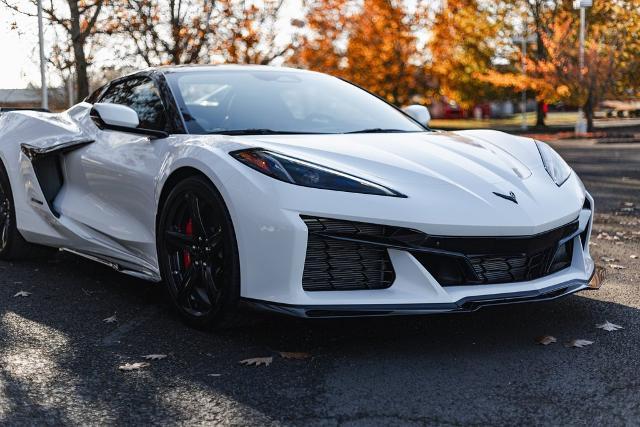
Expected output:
(59, 360)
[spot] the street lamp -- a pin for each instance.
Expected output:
(581, 123)
(524, 40)
(43, 77)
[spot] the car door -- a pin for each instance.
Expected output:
(112, 182)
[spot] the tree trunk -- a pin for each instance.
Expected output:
(77, 39)
(588, 111)
(540, 114)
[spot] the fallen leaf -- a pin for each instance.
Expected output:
(546, 340)
(133, 366)
(578, 343)
(112, 319)
(294, 355)
(634, 256)
(154, 356)
(617, 266)
(257, 361)
(608, 326)
(22, 294)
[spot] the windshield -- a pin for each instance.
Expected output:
(267, 101)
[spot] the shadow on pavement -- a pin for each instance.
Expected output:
(58, 365)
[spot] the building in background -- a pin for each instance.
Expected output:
(31, 98)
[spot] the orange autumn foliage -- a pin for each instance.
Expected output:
(372, 45)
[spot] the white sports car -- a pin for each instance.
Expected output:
(295, 192)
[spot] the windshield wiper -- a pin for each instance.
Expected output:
(380, 130)
(234, 132)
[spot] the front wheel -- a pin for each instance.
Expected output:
(12, 244)
(198, 254)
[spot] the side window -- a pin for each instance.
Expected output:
(143, 97)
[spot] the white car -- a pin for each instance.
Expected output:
(295, 192)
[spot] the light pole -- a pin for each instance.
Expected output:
(524, 40)
(43, 77)
(581, 123)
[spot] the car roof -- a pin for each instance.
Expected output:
(221, 67)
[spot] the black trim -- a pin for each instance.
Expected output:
(468, 304)
(33, 152)
(174, 117)
(47, 165)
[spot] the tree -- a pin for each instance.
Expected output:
(321, 46)
(171, 32)
(466, 37)
(372, 44)
(78, 20)
(249, 32)
(381, 49)
(611, 58)
(201, 31)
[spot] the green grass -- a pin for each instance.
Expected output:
(553, 119)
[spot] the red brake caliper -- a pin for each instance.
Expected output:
(186, 256)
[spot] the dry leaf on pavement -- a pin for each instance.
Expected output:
(634, 256)
(578, 343)
(608, 326)
(154, 356)
(112, 319)
(22, 294)
(257, 361)
(133, 366)
(546, 340)
(294, 355)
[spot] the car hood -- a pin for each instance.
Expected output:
(462, 160)
(450, 178)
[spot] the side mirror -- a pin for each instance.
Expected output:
(121, 118)
(116, 115)
(419, 113)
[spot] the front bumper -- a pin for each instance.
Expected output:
(467, 304)
(273, 243)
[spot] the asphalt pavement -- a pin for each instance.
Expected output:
(59, 360)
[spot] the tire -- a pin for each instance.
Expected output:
(12, 244)
(198, 255)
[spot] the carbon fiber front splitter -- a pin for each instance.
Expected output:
(468, 304)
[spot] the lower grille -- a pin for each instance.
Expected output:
(335, 265)
(492, 269)
(345, 255)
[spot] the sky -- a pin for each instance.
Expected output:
(19, 51)
(20, 63)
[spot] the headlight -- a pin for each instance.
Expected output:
(557, 168)
(300, 172)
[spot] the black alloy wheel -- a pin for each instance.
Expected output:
(12, 244)
(5, 218)
(198, 253)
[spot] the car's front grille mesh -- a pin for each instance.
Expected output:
(518, 268)
(344, 255)
(333, 265)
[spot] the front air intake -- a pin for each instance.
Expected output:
(334, 262)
